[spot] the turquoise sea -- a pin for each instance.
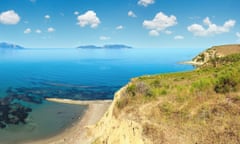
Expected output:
(29, 76)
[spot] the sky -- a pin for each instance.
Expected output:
(137, 23)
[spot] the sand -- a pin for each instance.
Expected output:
(192, 63)
(77, 133)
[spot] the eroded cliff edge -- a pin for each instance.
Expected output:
(116, 129)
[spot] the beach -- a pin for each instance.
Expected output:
(77, 133)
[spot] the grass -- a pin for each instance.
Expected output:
(201, 106)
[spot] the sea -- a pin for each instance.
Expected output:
(29, 76)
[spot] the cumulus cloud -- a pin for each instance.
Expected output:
(103, 38)
(153, 33)
(211, 28)
(47, 17)
(159, 23)
(88, 18)
(119, 27)
(50, 29)
(76, 13)
(27, 31)
(179, 37)
(132, 14)
(38, 31)
(9, 17)
(145, 3)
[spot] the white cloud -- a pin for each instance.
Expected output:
(88, 18)
(76, 13)
(119, 27)
(27, 31)
(212, 29)
(145, 3)
(159, 23)
(153, 33)
(50, 29)
(132, 14)
(33, 1)
(47, 17)
(179, 37)
(9, 17)
(38, 31)
(103, 38)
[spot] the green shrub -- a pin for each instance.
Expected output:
(163, 92)
(156, 83)
(150, 93)
(225, 84)
(131, 90)
(201, 84)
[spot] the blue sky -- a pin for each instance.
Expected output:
(138, 23)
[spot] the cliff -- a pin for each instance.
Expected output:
(215, 52)
(116, 130)
(200, 106)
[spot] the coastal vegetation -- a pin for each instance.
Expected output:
(200, 106)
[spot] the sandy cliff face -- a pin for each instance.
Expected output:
(206, 56)
(116, 130)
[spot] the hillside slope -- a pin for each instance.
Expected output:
(201, 106)
(215, 52)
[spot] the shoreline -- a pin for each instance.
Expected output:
(77, 133)
(191, 63)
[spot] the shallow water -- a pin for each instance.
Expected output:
(28, 76)
(46, 120)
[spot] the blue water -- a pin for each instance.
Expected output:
(75, 74)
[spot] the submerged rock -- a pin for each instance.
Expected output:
(13, 111)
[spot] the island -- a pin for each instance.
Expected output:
(111, 46)
(4, 45)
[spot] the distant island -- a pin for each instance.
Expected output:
(112, 46)
(4, 45)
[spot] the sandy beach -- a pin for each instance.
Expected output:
(192, 63)
(77, 133)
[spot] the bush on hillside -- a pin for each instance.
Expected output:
(225, 84)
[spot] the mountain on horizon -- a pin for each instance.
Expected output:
(110, 46)
(5, 45)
